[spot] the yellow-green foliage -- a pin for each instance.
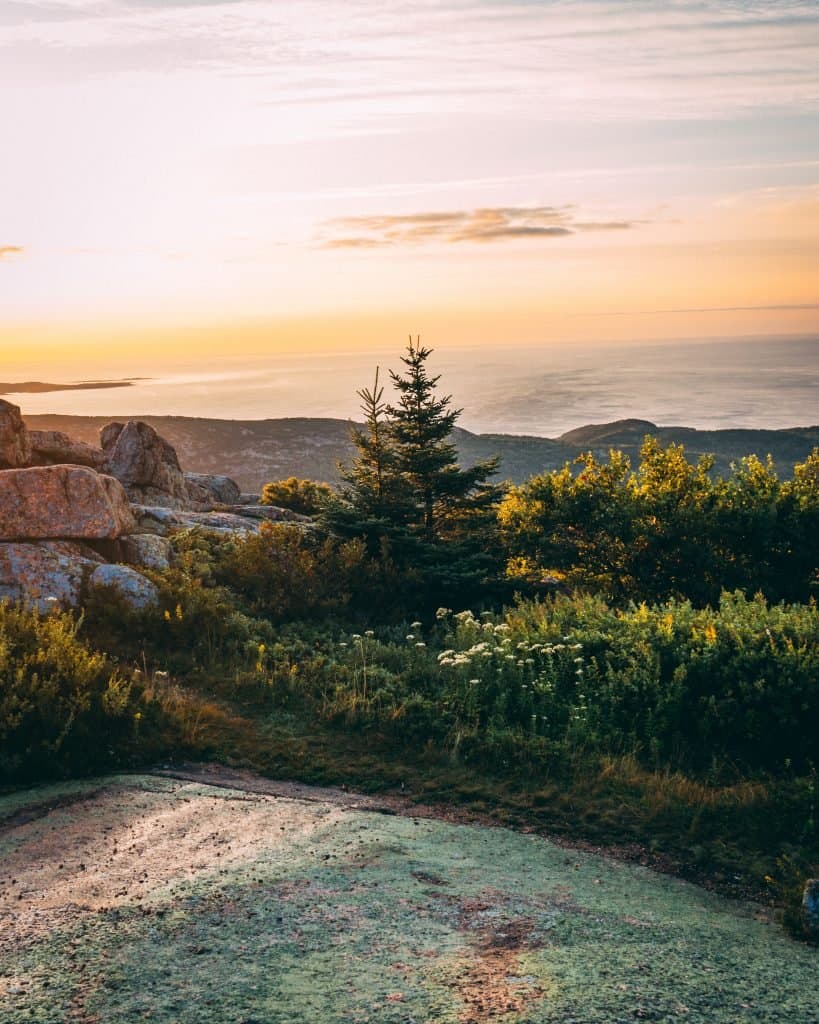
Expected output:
(304, 496)
(699, 689)
(287, 573)
(63, 706)
(668, 529)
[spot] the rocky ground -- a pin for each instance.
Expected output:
(75, 517)
(171, 900)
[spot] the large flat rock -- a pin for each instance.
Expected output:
(62, 502)
(145, 898)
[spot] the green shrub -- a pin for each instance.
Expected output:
(667, 529)
(717, 691)
(63, 707)
(304, 496)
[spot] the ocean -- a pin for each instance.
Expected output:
(541, 390)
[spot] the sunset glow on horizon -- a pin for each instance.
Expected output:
(199, 176)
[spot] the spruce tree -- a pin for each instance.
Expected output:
(421, 425)
(406, 496)
(373, 502)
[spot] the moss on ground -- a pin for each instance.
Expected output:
(370, 917)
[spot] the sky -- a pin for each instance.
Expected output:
(191, 178)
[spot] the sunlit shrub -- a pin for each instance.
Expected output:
(304, 496)
(63, 707)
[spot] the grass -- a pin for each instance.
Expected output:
(727, 836)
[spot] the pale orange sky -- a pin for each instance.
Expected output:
(247, 176)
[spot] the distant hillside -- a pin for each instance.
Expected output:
(256, 451)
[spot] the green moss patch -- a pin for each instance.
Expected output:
(289, 910)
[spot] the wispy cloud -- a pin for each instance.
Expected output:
(492, 224)
(9, 251)
(776, 307)
(646, 60)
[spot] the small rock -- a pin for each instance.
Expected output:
(146, 549)
(138, 591)
(206, 489)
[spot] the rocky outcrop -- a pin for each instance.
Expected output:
(204, 489)
(166, 521)
(70, 502)
(238, 519)
(42, 575)
(137, 591)
(148, 550)
(145, 464)
(15, 443)
(53, 447)
(67, 522)
(271, 514)
(58, 574)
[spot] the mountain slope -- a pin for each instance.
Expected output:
(256, 451)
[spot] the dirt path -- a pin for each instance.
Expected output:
(224, 897)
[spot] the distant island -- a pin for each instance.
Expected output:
(38, 387)
(254, 452)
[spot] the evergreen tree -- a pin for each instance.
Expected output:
(421, 425)
(373, 502)
(405, 495)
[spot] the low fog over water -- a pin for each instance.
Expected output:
(771, 382)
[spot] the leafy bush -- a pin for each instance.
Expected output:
(668, 529)
(303, 496)
(63, 707)
(287, 573)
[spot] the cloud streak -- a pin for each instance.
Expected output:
(623, 60)
(479, 226)
(10, 251)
